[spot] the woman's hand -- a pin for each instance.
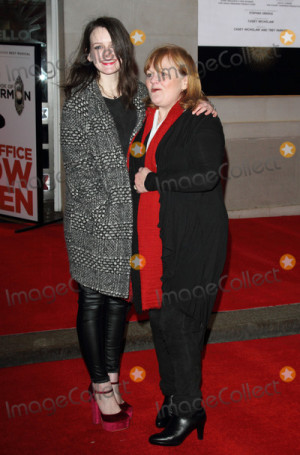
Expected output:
(140, 178)
(205, 106)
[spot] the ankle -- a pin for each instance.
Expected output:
(114, 380)
(102, 389)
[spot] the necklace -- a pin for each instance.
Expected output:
(108, 95)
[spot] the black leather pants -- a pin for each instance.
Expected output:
(101, 322)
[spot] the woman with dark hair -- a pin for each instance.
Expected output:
(180, 233)
(117, 57)
(103, 111)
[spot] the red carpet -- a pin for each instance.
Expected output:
(259, 414)
(37, 294)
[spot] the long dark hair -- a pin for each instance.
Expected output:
(83, 72)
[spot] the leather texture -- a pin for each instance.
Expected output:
(101, 322)
(179, 428)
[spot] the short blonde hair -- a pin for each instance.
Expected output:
(185, 66)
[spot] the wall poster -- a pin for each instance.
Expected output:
(21, 186)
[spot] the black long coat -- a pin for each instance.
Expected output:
(193, 220)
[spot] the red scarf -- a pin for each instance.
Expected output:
(150, 246)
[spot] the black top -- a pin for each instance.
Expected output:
(125, 120)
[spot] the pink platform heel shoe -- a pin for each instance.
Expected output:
(125, 406)
(110, 422)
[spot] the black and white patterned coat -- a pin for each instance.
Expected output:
(98, 207)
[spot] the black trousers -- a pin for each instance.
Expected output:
(178, 341)
(101, 323)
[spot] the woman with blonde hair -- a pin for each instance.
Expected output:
(180, 233)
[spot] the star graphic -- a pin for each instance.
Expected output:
(137, 261)
(287, 37)
(287, 374)
(288, 262)
(287, 149)
(137, 150)
(137, 37)
(137, 374)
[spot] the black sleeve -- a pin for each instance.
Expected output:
(203, 154)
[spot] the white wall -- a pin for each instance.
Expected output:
(255, 127)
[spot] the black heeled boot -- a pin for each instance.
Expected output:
(164, 413)
(179, 428)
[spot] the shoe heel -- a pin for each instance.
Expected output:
(96, 414)
(125, 406)
(110, 422)
(200, 430)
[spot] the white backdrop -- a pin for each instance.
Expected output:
(259, 23)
